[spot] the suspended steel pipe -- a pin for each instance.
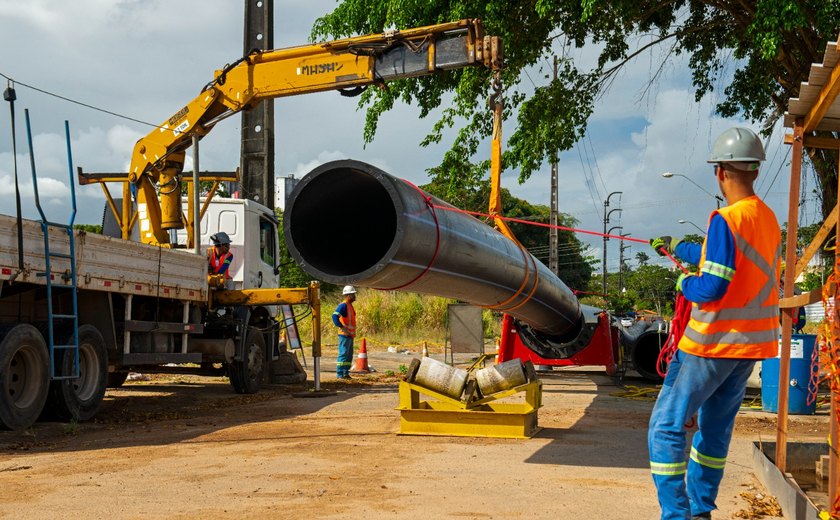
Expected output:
(348, 222)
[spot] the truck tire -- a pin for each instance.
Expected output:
(24, 377)
(246, 375)
(79, 399)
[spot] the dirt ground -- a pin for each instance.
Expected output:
(186, 447)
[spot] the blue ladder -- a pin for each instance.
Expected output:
(72, 348)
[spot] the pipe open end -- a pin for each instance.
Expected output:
(344, 219)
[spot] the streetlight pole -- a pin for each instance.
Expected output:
(718, 198)
(607, 221)
(684, 221)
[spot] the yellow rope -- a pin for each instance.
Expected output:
(637, 393)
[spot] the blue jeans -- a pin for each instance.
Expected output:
(713, 388)
(345, 356)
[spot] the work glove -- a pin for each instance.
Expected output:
(667, 242)
(682, 277)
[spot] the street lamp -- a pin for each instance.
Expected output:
(684, 221)
(718, 198)
(607, 221)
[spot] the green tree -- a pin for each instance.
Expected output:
(654, 287)
(642, 257)
(291, 275)
(90, 228)
(755, 53)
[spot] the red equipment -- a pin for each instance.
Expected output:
(603, 348)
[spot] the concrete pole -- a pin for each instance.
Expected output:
(553, 260)
(607, 221)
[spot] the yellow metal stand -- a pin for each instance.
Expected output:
(481, 418)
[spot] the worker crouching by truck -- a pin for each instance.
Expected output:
(734, 322)
(344, 318)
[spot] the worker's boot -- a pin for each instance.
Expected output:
(702, 516)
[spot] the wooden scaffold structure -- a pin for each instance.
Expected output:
(815, 119)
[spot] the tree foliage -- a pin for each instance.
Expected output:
(291, 275)
(756, 52)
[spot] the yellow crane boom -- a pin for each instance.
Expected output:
(158, 158)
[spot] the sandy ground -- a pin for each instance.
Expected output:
(187, 447)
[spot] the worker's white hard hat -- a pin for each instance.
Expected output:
(348, 289)
(740, 147)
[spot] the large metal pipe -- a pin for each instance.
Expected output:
(348, 222)
(643, 341)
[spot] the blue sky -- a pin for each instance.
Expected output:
(147, 59)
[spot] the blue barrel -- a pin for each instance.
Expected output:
(801, 350)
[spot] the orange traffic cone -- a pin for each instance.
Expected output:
(361, 364)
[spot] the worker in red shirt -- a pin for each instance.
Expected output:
(219, 256)
(734, 322)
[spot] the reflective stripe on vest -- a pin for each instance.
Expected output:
(349, 322)
(744, 322)
(667, 468)
(705, 460)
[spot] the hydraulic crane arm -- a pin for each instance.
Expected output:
(158, 158)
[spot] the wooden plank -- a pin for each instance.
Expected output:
(827, 96)
(811, 141)
(827, 227)
(801, 299)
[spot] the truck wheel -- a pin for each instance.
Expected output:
(246, 375)
(79, 399)
(24, 377)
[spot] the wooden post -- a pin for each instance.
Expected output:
(833, 459)
(787, 314)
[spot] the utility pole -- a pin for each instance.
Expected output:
(257, 150)
(607, 221)
(622, 247)
(552, 231)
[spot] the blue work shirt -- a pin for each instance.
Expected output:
(340, 310)
(718, 268)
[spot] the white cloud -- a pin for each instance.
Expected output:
(146, 59)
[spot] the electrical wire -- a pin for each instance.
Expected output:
(86, 105)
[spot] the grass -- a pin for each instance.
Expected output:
(394, 318)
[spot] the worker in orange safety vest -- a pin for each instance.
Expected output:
(734, 322)
(219, 256)
(344, 318)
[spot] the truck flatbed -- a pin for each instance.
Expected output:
(103, 263)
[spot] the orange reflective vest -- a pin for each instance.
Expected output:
(349, 322)
(217, 261)
(744, 323)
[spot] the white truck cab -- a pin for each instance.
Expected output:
(252, 229)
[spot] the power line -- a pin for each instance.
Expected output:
(86, 105)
